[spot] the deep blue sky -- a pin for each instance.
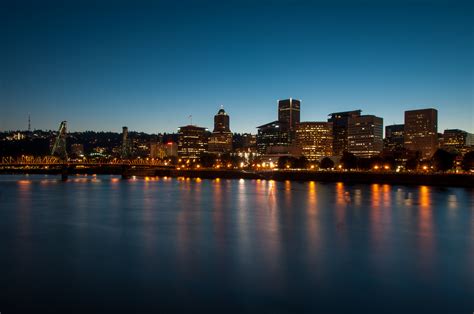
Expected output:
(149, 65)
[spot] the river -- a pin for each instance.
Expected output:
(102, 244)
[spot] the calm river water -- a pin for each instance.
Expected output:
(100, 244)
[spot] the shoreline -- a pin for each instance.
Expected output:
(351, 177)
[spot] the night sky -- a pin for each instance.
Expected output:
(150, 64)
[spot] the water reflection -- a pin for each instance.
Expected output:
(313, 228)
(242, 240)
(342, 200)
(426, 238)
(381, 224)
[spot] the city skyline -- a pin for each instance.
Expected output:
(151, 65)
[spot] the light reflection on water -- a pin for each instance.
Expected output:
(243, 245)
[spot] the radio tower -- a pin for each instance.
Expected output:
(29, 124)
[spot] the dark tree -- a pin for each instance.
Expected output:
(300, 163)
(207, 160)
(443, 160)
(376, 161)
(326, 163)
(284, 161)
(413, 161)
(389, 161)
(468, 161)
(348, 160)
(173, 160)
(364, 163)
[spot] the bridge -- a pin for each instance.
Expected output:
(44, 161)
(59, 158)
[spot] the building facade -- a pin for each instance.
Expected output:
(249, 142)
(340, 123)
(455, 140)
(365, 135)
(273, 137)
(314, 140)
(289, 112)
(421, 131)
(394, 137)
(192, 141)
(220, 140)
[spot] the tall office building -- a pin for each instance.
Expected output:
(394, 137)
(314, 139)
(289, 112)
(276, 137)
(249, 141)
(220, 140)
(365, 135)
(421, 131)
(456, 140)
(273, 137)
(339, 129)
(192, 141)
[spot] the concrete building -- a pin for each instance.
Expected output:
(220, 140)
(192, 141)
(421, 131)
(456, 140)
(289, 112)
(273, 137)
(365, 135)
(394, 137)
(314, 140)
(340, 124)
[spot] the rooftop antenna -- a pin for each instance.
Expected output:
(29, 123)
(190, 119)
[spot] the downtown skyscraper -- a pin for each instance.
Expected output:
(421, 131)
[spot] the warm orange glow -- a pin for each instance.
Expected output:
(376, 167)
(386, 167)
(375, 198)
(425, 167)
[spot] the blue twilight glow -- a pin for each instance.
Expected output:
(150, 64)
